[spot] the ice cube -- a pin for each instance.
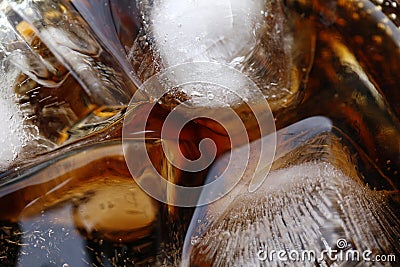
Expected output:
(312, 200)
(69, 84)
(310, 207)
(66, 34)
(205, 30)
(13, 136)
(259, 38)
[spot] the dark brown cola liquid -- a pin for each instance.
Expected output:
(84, 208)
(81, 206)
(92, 215)
(352, 81)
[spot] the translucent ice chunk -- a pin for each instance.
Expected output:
(71, 82)
(313, 198)
(66, 35)
(15, 47)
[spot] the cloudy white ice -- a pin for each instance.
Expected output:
(205, 30)
(12, 135)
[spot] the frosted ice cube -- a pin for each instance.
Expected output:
(313, 197)
(13, 136)
(259, 38)
(305, 207)
(66, 34)
(204, 30)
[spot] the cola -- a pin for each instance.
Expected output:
(71, 200)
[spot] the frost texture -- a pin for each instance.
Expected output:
(13, 136)
(304, 207)
(205, 30)
(255, 37)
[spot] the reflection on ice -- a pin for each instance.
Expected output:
(312, 197)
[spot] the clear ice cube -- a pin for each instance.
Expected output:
(66, 82)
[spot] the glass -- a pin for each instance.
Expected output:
(73, 73)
